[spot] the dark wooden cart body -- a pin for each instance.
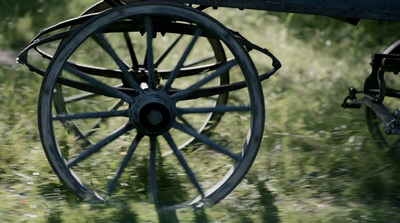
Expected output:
(355, 9)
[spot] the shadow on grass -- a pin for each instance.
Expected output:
(266, 201)
(64, 202)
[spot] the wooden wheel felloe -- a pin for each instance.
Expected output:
(147, 110)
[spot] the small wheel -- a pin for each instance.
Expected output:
(157, 109)
(209, 123)
(375, 126)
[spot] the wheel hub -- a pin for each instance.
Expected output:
(152, 113)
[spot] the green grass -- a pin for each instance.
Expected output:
(317, 161)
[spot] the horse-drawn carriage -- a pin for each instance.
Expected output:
(137, 90)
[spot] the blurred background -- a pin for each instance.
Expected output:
(317, 161)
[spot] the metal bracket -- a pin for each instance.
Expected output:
(375, 91)
(352, 96)
(393, 127)
(392, 121)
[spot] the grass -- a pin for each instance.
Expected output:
(317, 161)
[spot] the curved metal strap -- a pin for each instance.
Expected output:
(379, 109)
(382, 85)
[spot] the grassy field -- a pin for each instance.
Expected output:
(317, 161)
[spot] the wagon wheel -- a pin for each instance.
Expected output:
(209, 122)
(127, 147)
(375, 125)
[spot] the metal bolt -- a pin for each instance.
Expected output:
(396, 114)
(155, 117)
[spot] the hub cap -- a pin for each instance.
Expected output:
(152, 113)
